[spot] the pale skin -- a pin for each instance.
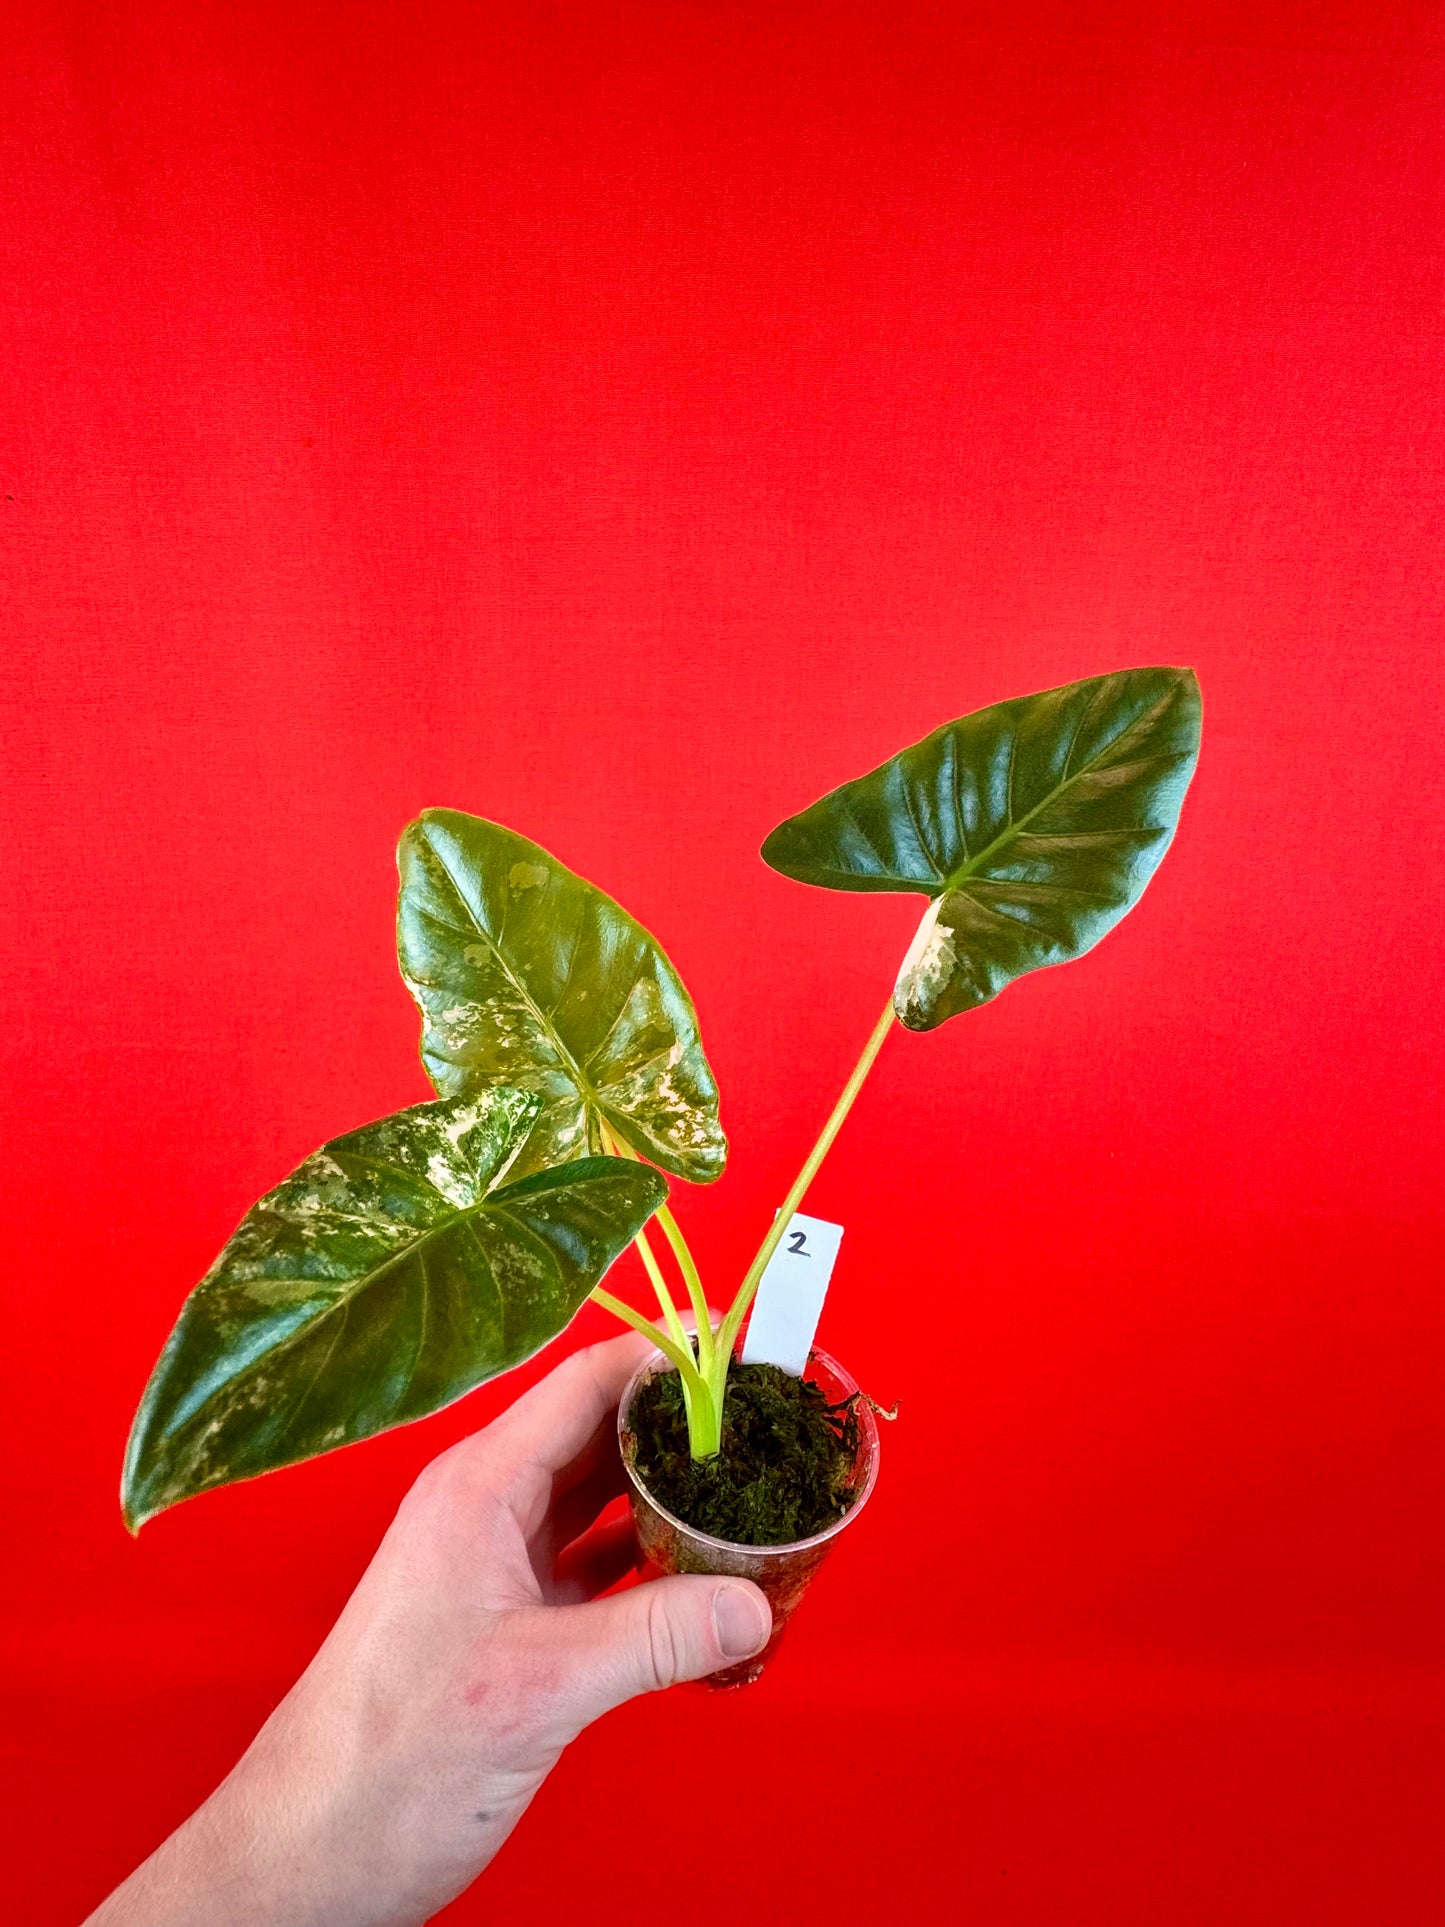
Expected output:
(474, 1649)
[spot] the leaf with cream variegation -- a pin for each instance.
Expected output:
(529, 976)
(1033, 826)
(395, 1269)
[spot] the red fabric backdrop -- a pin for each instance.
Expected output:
(628, 421)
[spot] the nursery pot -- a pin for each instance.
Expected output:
(783, 1572)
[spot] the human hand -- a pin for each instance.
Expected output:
(474, 1648)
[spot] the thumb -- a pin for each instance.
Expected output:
(651, 1636)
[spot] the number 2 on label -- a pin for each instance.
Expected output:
(797, 1242)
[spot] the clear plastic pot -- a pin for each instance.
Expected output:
(783, 1572)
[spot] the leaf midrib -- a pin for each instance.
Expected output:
(341, 1305)
(589, 1091)
(957, 878)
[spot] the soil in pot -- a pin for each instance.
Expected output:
(783, 1470)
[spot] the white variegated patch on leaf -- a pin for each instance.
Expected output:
(529, 976)
(395, 1269)
(1033, 826)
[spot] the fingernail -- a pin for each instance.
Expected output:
(741, 1621)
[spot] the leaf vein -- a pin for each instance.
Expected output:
(519, 986)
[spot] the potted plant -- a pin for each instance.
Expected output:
(410, 1260)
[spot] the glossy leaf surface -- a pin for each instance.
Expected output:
(1033, 825)
(531, 977)
(390, 1273)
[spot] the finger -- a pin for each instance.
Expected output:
(653, 1636)
(593, 1563)
(576, 1508)
(568, 1415)
(548, 1532)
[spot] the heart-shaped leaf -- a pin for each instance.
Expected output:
(390, 1273)
(1033, 825)
(531, 977)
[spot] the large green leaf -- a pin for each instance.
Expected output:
(1033, 825)
(390, 1273)
(529, 976)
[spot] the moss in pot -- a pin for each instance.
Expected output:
(776, 1519)
(783, 1466)
(571, 1077)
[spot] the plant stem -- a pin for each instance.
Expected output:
(638, 1321)
(705, 1389)
(704, 1408)
(664, 1296)
(654, 1271)
(737, 1311)
(672, 1231)
(702, 1412)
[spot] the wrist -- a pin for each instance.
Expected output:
(268, 1845)
(212, 1868)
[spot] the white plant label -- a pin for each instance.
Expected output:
(791, 1293)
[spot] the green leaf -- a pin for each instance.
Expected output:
(389, 1274)
(529, 976)
(1033, 825)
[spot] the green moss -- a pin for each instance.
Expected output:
(783, 1469)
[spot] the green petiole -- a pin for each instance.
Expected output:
(703, 1420)
(672, 1231)
(738, 1310)
(701, 1394)
(704, 1376)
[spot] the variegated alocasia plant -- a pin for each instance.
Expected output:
(409, 1261)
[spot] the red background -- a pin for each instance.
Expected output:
(629, 421)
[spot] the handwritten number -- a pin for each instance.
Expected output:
(797, 1243)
